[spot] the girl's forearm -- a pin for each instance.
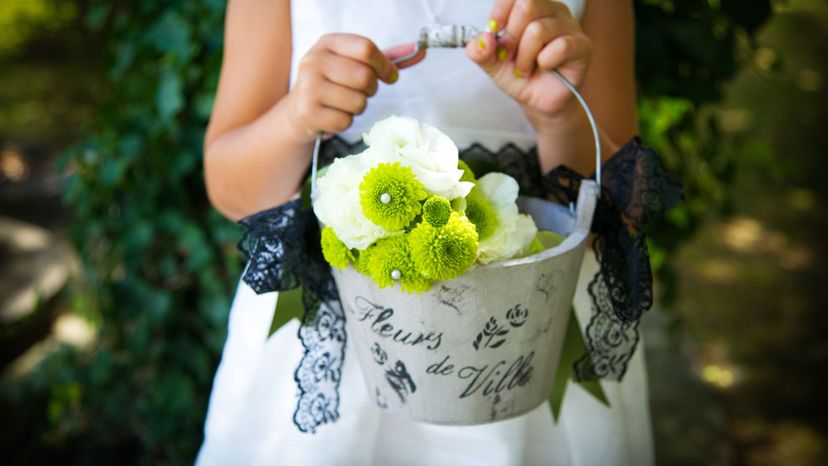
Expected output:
(258, 165)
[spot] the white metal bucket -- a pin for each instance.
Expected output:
(479, 348)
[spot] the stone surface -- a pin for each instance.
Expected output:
(689, 421)
(34, 267)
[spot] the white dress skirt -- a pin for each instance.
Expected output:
(250, 415)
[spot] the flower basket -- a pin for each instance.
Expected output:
(468, 349)
(481, 347)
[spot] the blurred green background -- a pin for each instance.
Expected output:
(116, 275)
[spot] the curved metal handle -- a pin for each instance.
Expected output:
(593, 126)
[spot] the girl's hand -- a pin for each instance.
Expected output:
(539, 35)
(334, 80)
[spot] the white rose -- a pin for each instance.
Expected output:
(515, 231)
(337, 204)
(430, 154)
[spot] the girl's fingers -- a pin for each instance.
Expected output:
(400, 51)
(331, 120)
(563, 50)
(350, 73)
(483, 51)
(537, 34)
(342, 98)
(524, 12)
(363, 50)
(500, 14)
(315, 114)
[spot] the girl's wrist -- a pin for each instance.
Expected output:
(298, 133)
(557, 121)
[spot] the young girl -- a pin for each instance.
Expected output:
(295, 69)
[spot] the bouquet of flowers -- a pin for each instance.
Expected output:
(406, 210)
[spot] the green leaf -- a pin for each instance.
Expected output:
(171, 34)
(204, 105)
(573, 348)
(96, 16)
(124, 58)
(112, 171)
(194, 243)
(170, 98)
(288, 307)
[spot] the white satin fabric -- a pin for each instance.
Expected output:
(249, 420)
(250, 416)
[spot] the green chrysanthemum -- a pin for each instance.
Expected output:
(481, 213)
(442, 253)
(391, 196)
(436, 211)
(334, 250)
(468, 174)
(390, 262)
(362, 260)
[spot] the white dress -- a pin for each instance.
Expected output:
(250, 416)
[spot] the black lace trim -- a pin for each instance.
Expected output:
(283, 248)
(634, 190)
(284, 252)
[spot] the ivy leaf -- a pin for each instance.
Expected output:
(171, 34)
(96, 16)
(170, 97)
(123, 59)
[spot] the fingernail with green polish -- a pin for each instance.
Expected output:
(493, 26)
(518, 73)
(481, 43)
(502, 54)
(394, 76)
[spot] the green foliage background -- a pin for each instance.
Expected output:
(159, 263)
